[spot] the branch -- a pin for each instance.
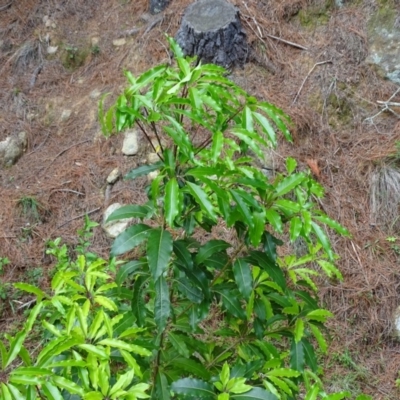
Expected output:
(305, 79)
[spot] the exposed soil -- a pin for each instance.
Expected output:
(327, 89)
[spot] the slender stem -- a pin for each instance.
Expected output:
(232, 346)
(209, 139)
(184, 95)
(149, 140)
(237, 251)
(154, 128)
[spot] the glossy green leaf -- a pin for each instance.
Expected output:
(183, 255)
(243, 277)
(266, 126)
(258, 228)
(143, 170)
(312, 394)
(97, 351)
(202, 200)
(26, 287)
(291, 165)
(51, 392)
(298, 330)
(210, 248)
(172, 201)
(193, 388)
(188, 289)
(16, 394)
(231, 303)
(128, 269)
(5, 392)
(319, 315)
(137, 304)
(179, 344)
(162, 387)
(217, 144)
(120, 344)
(242, 206)
(129, 239)
(297, 356)
(262, 260)
(15, 347)
(344, 395)
(130, 211)
(332, 224)
(150, 75)
(309, 355)
(162, 308)
(323, 239)
(254, 394)
(320, 337)
(295, 228)
(32, 318)
(67, 384)
(330, 269)
(26, 380)
(192, 366)
(159, 250)
(289, 183)
(274, 219)
(123, 381)
(31, 371)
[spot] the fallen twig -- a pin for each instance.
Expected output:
(78, 216)
(63, 151)
(6, 6)
(307, 76)
(386, 106)
(260, 35)
(129, 32)
(68, 190)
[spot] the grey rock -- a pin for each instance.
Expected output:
(114, 228)
(113, 176)
(94, 94)
(384, 42)
(65, 115)
(152, 158)
(12, 148)
(130, 146)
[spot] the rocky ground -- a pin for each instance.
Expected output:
(58, 58)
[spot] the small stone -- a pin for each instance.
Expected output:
(152, 175)
(95, 40)
(130, 146)
(119, 42)
(12, 148)
(114, 228)
(94, 94)
(152, 158)
(65, 115)
(52, 49)
(113, 176)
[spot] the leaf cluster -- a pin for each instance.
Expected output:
(196, 315)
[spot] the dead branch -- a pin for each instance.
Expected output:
(260, 33)
(77, 217)
(307, 76)
(63, 151)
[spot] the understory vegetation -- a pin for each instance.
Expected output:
(208, 301)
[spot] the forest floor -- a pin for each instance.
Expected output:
(324, 84)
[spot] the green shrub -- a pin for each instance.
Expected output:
(195, 315)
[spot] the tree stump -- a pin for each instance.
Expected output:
(211, 30)
(157, 6)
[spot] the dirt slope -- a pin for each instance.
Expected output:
(56, 59)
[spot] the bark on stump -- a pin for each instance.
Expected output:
(211, 30)
(157, 6)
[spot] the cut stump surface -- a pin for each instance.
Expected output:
(211, 30)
